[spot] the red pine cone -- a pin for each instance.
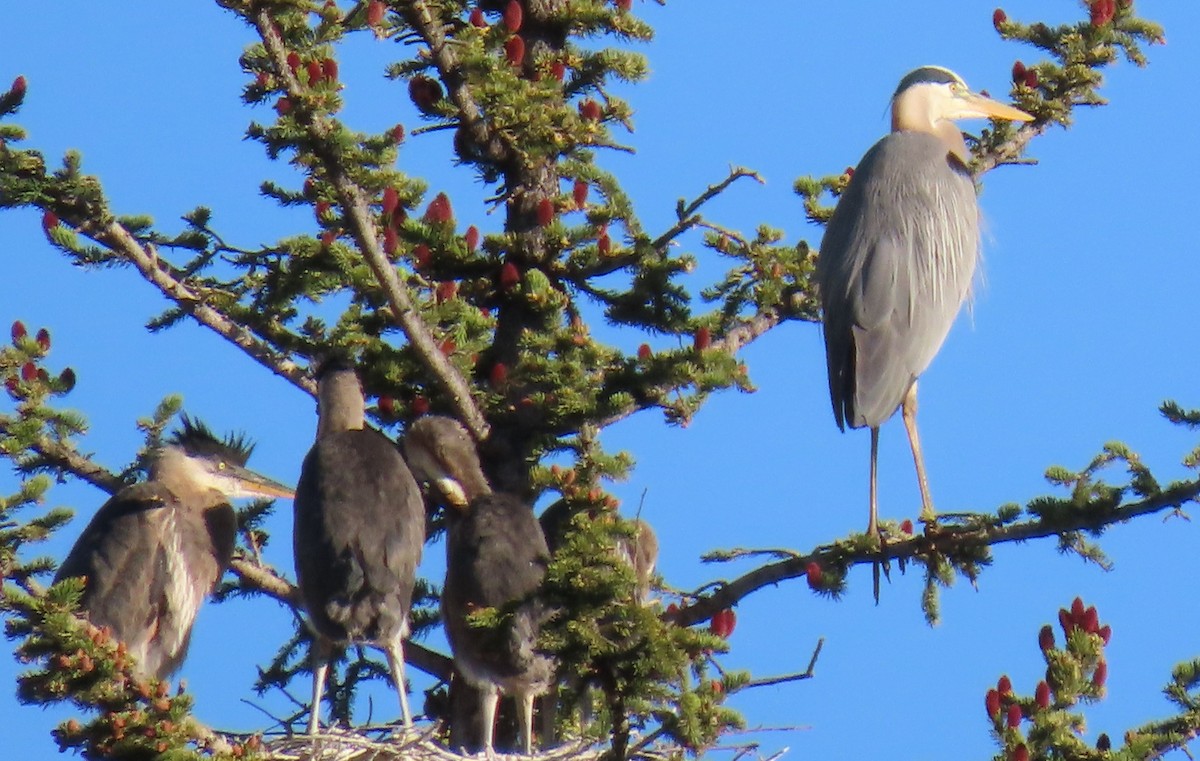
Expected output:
(329, 68)
(510, 276)
(1014, 716)
(579, 193)
(1004, 685)
(559, 70)
(1105, 633)
(49, 220)
(545, 212)
(420, 405)
(906, 526)
(498, 375)
(514, 50)
(590, 110)
(1046, 638)
(43, 339)
(387, 407)
(1100, 675)
(812, 573)
(472, 238)
(723, 623)
(391, 200)
(445, 291)
(18, 331)
(421, 256)
(644, 352)
(477, 19)
(398, 134)
(513, 16)
(315, 72)
(18, 86)
(1020, 753)
(375, 13)
(999, 17)
(439, 211)
(293, 61)
(702, 339)
(1101, 12)
(425, 93)
(1018, 72)
(992, 703)
(29, 372)
(1042, 695)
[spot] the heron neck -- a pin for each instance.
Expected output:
(340, 405)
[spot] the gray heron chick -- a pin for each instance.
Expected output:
(156, 549)
(898, 257)
(496, 557)
(359, 530)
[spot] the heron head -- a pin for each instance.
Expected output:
(442, 454)
(932, 94)
(194, 453)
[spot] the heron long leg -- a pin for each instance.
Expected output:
(395, 656)
(525, 709)
(489, 702)
(873, 522)
(319, 671)
(908, 411)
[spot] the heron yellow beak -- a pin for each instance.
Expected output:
(975, 106)
(254, 484)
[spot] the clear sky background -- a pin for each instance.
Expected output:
(1083, 323)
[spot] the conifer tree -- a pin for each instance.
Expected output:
(494, 328)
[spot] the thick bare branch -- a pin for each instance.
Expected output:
(144, 258)
(356, 206)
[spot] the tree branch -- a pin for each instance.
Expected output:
(938, 540)
(144, 258)
(357, 210)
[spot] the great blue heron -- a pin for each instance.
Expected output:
(359, 529)
(156, 549)
(496, 557)
(898, 257)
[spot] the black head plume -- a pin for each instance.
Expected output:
(195, 438)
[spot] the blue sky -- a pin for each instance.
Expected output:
(1083, 323)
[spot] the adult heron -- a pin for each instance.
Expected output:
(156, 549)
(496, 557)
(359, 529)
(898, 257)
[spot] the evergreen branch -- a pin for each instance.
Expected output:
(145, 259)
(686, 214)
(65, 458)
(357, 210)
(1008, 152)
(471, 118)
(731, 343)
(938, 541)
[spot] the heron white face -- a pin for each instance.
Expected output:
(232, 480)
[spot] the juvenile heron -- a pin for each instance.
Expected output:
(639, 551)
(898, 256)
(496, 557)
(359, 529)
(156, 549)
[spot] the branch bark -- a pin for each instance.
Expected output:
(356, 206)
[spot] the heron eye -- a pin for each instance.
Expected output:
(220, 466)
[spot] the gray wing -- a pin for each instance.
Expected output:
(497, 557)
(359, 530)
(896, 264)
(120, 554)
